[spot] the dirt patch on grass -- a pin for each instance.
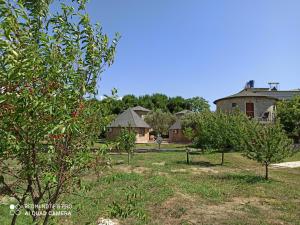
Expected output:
(131, 169)
(184, 209)
(295, 164)
(161, 173)
(103, 221)
(200, 170)
(196, 170)
(179, 171)
(159, 163)
(141, 170)
(123, 168)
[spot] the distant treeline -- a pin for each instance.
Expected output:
(158, 101)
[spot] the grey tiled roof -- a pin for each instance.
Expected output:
(176, 125)
(129, 118)
(263, 92)
(281, 95)
(140, 108)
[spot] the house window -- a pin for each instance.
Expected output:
(175, 131)
(250, 109)
(142, 132)
(234, 105)
(109, 130)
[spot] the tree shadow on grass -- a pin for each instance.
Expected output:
(198, 163)
(243, 178)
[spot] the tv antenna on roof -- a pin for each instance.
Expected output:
(273, 86)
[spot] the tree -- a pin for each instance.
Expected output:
(216, 130)
(160, 121)
(189, 133)
(126, 141)
(115, 105)
(265, 143)
(189, 123)
(49, 64)
(129, 101)
(197, 104)
(160, 102)
(288, 114)
(146, 101)
(104, 115)
(176, 104)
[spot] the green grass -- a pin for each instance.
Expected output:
(168, 191)
(172, 146)
(169, 146)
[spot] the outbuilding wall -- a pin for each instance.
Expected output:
(114, 132)
(176, 136)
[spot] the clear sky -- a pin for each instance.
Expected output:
(207, 48)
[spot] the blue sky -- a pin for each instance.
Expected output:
(207, 48)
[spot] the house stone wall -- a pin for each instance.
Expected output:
(261, 105)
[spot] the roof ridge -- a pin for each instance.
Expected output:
(132, 112)
(141, 108)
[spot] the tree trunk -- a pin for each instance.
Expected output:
(267, 171)
(187, 157)
(222, 162)
(14, 219)
(21, 202)
(51, 202)
(46, 220)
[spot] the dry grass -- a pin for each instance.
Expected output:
(175, 193)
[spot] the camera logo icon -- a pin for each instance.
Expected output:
(14, 209)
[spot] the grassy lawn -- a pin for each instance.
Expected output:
(163, 146)
(152, 146)
(160, 188)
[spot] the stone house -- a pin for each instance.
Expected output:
(257, 103)
(176, 131)
(130, 119)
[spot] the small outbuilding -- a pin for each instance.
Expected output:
(131, 120)
(175, 131)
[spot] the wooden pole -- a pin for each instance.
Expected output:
(187, 156)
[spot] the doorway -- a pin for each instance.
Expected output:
(250, 109)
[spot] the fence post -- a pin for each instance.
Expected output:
(187, 156)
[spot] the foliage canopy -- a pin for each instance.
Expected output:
(288, 113)
(160, 121)
(49, 64)
(265, 143)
